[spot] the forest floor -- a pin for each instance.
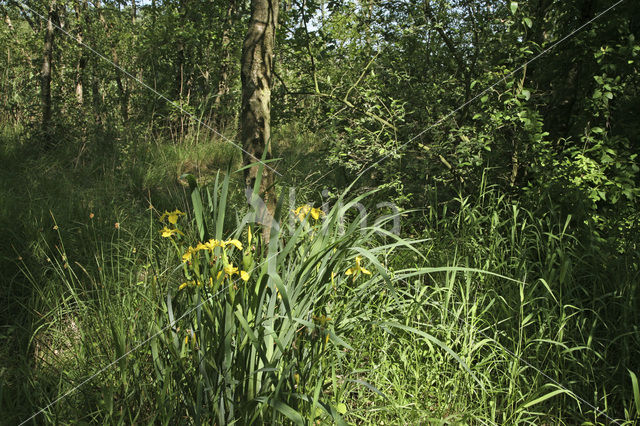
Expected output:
(491, 314)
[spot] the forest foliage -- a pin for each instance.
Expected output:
(503, 135)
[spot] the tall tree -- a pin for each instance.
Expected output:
(81, 9)
(45, 74)
(257, 81)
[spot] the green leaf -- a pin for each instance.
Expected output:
(289, 412)
(544, 398)
(528, 22)
(526, 94)
(341, 408)
(368, 386)
(484, 98)
(198, 208)
(221, 205)
(514, 7)
(636, 391)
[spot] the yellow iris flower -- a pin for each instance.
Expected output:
(237, 244)
(230, 270)
(188, 255)
(193, 283)
(211, 244)
(357, 269)
(302, 212)
(172, 216)
(168, 232)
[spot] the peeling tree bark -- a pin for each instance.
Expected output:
(257, 80)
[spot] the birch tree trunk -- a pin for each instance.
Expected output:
(80, 9)
(257, 80)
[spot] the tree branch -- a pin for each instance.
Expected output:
(445, 37)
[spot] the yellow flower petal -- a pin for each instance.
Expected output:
(302, 211)
(316, 213)
(230, 270)
(183, 285)
(211, 244)
(237, 244)
(357, 269)
(188, 255)
(244, 275)
(173, 216)
(168, 232)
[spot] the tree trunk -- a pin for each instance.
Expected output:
(45, 74)
(96, 95)
(255, 114)
(180, 70)
(180, 54)
(82, 61)
(124, 93)
(7, 20)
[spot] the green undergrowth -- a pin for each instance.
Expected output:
(118, 313)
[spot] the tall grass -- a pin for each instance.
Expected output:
(493, 315)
